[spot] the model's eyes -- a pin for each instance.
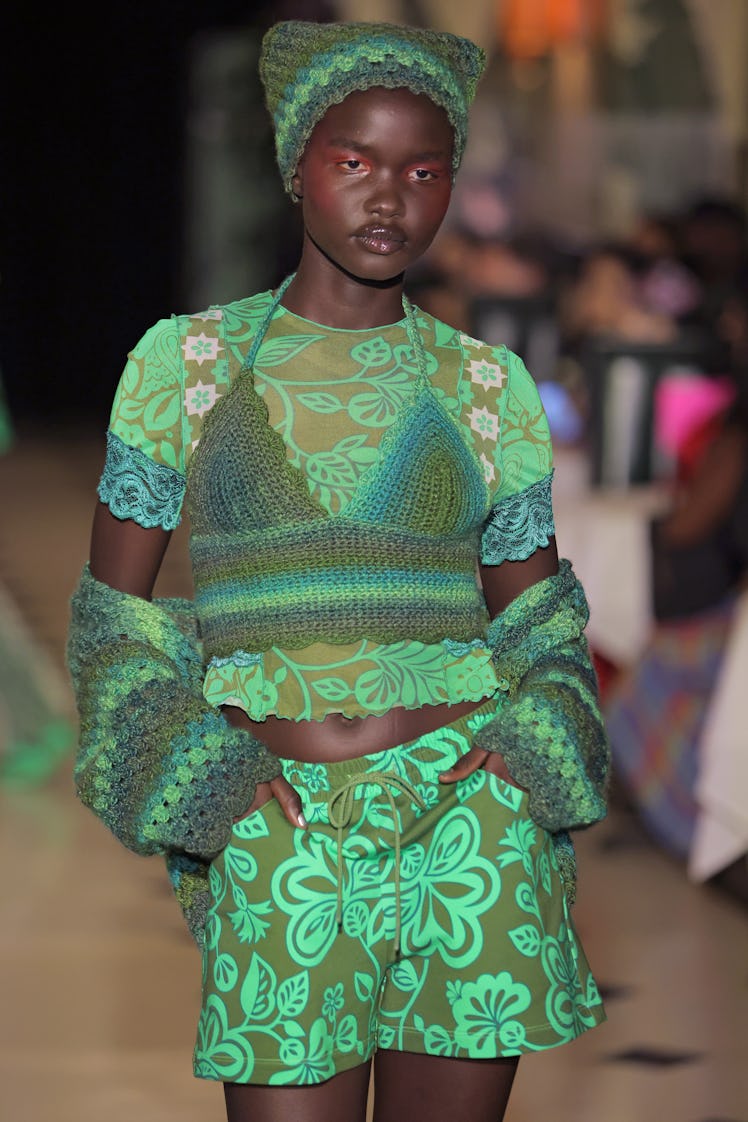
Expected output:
(416, 175)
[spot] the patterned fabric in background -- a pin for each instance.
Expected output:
(35, 732)
(655, 712)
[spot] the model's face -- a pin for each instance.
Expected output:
(375, 181)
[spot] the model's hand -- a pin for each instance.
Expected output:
(478, 758)
(285, 794)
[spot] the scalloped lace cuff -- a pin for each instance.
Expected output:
(135, 487)
(519, 524)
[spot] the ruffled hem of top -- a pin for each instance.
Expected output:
(355, 680)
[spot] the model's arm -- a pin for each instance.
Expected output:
(502, 584)
(548, 728)
(124, 555)
(128, 557)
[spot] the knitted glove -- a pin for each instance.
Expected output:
(161, 768)
(549, 729)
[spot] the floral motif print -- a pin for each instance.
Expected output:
(486, 1012)
(201, 348)
(486, 373)
(332, 430)
(209, 348)
(446, 890)
(490, 964)
(485, 423)
(355, 679)
(200, 399)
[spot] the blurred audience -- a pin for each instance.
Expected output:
(462, 266)
(714, 245)
(655, 710)
(667, 284)
(610, 299)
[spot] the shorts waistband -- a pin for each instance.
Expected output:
(337, 772)
(341, 783)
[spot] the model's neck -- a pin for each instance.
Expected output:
(324, 293)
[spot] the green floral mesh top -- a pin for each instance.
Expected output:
(331, 396)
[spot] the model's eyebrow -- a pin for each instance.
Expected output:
(346, 142)
(359, 146)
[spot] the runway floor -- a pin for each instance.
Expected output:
(100, 981)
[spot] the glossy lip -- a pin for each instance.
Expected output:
(381, 239)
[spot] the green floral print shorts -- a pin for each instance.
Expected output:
(410, 915)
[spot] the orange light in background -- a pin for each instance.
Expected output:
(529, 29)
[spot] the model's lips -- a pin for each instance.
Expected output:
(381, 239)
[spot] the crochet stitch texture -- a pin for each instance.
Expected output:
(306, 67)
(172, 780)
(550, 730)
(271, 566)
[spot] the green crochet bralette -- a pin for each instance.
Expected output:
(272, 567)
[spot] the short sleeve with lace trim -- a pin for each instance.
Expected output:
(508, 416)
(172, 380)
(144, 473)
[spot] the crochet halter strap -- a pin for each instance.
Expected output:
(411, 327)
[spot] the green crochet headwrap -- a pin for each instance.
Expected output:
(306, 67)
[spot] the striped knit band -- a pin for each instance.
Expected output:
(307, 67)
(332, 582)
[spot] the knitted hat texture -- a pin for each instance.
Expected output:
(306, 67)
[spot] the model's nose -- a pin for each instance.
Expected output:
(385, 198)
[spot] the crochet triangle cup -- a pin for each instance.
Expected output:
(273, 566)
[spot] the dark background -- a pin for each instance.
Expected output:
(92, 190)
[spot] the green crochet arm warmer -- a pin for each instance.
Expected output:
(550, 730)
(161, 768)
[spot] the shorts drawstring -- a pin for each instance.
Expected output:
(340, 809)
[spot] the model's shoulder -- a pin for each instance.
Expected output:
(446, 335)
(246, 309)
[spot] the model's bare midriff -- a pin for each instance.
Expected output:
(342, 738)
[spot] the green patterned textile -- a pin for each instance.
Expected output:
(451, 934)
(306, 67)
(162, 769)
(268, 560)
(345, 424)
(550, 730)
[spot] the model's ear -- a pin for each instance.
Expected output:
(297, 182)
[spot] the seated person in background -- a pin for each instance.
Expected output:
(667, 284)
(607, 300)
(461, 266)
(713, 243)
(655, 710)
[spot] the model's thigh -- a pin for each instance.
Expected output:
(440, 1089)
(340, 1099)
